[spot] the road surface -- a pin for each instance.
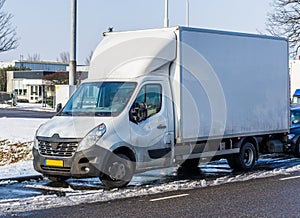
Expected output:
(269, 197)
(21, 113)
(266, 197)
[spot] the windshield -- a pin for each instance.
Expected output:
(99, 99)
(295, 117)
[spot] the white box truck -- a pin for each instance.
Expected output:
(166, 97)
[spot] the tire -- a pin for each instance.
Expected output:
(297, 149)
(119, 171)
(244, 160)
(190, 164)
(58, 178)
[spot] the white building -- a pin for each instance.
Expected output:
(36, 65)
(294, 75)
(29, 85)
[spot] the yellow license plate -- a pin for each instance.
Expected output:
(54, 163)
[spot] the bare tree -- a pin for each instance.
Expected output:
(57, 78)
(285, 21)
(64, 57)
(34, 57)
(8, 35)
(88, 59)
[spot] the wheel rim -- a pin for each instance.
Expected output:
(248, 157)
(117, 171)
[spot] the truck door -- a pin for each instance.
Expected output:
(150, 126)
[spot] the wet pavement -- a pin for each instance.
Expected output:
(23, 113)
(209, 172)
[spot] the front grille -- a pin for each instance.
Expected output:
(57, 149)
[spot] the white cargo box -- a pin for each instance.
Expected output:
(230, 84)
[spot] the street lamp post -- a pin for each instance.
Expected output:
(72, 66)
(166, 21)
(187, 13)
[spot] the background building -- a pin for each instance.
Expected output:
(29, 86)
(38, 84)
(294, 76)
(37, 65)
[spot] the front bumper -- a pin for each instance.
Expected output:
(83, 164)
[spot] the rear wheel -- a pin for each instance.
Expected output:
(119, 171)
(244, 160)
(297, 149)
(190, 163)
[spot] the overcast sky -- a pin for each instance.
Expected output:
(44, 26)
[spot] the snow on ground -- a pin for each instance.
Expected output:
(70, 197)
(16, 138)
(14, 152)
(28, 106)
(4, 105)
(19, 129)
(19, 169)
(16, 131)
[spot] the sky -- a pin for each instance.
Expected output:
(43, 27)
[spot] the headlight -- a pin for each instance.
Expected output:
(35, 142)
(291, 136)
(92, 137)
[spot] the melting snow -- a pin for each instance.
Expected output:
(23, 130)
(74, 197)
(19, 129)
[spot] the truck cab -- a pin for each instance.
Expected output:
(119, 121)
(108, 120)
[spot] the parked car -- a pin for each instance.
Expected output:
(294, 135)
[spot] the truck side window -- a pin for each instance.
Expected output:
(150, 97)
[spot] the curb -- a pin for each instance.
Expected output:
(23, 178)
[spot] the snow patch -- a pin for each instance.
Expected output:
(19, 169)
(70, 197)
(19, 129)
(28, 106)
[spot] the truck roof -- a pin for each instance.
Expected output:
(134, 52)
(194, 29)
(230, 33)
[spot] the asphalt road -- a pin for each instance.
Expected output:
(19, 113)
(277, 196)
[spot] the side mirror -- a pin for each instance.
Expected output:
(58, 107)
(138, 112)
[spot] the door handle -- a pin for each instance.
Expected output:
(161, 126)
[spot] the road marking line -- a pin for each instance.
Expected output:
(292, 177)
(169, 197)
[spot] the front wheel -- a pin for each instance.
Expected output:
(119, 171)
(245, 159)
